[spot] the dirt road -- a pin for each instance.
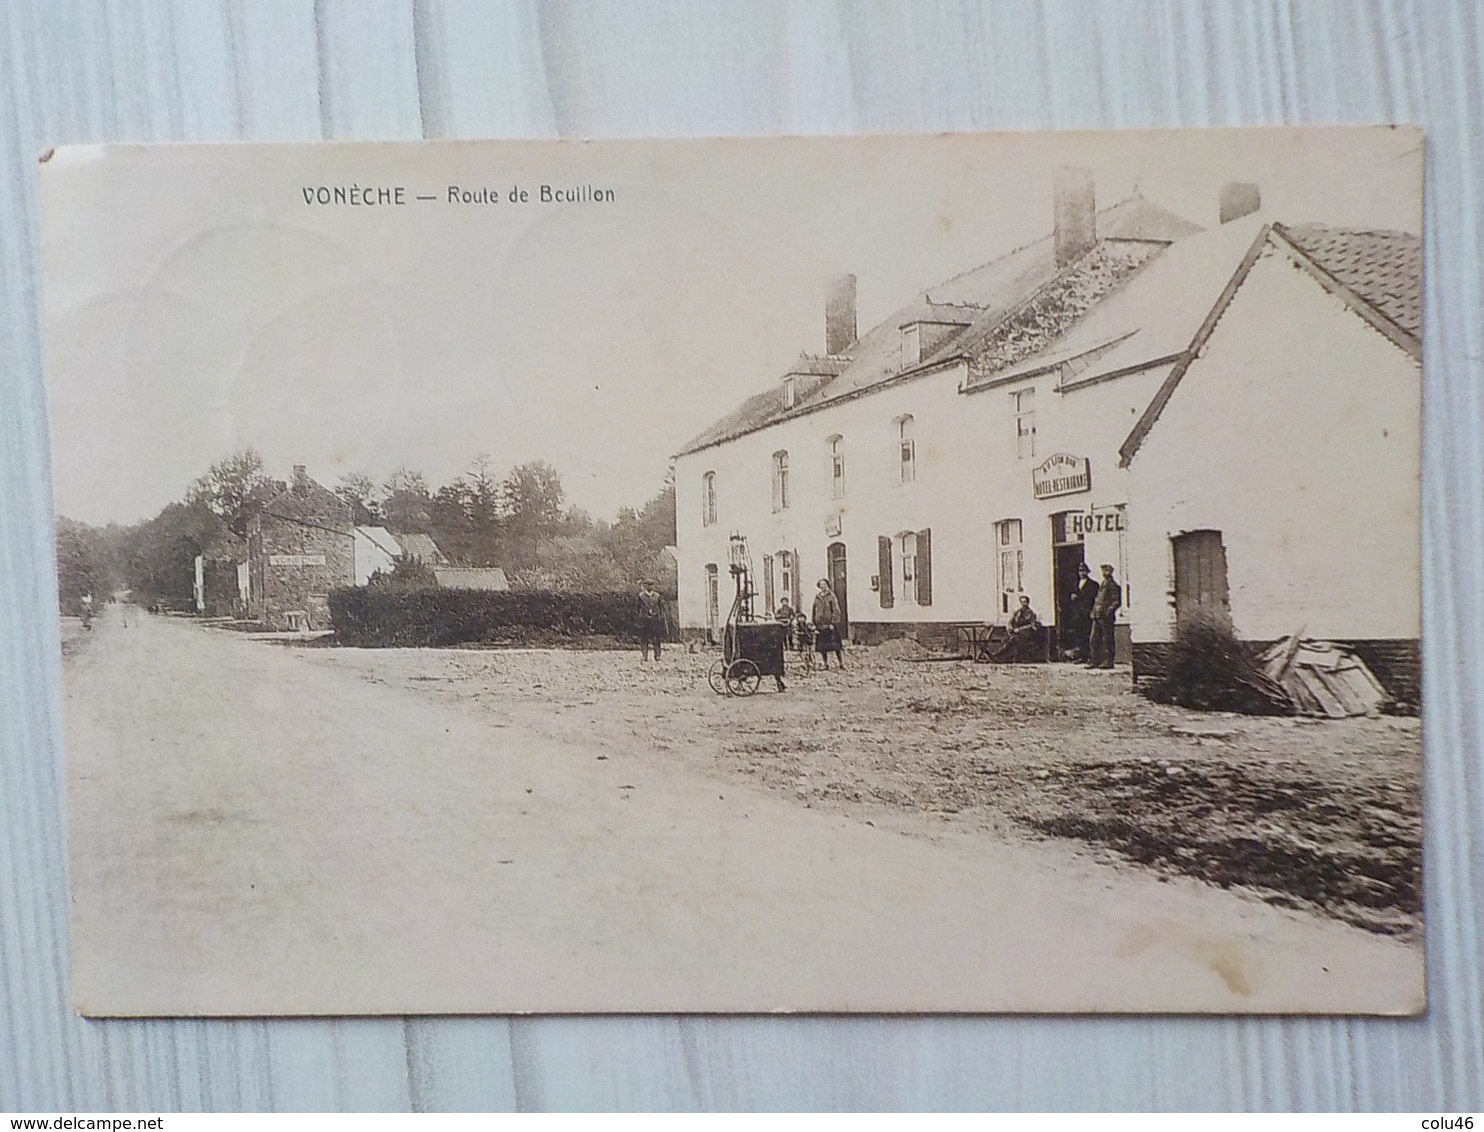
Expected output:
(254, 831)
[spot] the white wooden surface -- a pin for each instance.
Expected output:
(73, 70)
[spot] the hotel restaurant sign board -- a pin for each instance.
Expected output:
(1061, 474)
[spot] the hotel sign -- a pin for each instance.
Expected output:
(1061, 474)
(296, 560)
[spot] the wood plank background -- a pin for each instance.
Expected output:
(164, 70)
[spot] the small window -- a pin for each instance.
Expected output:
(906, 449)
(790, 391)
(708, 499)
(786, 574)
(911, 345)
(1025, 423)
(1010, 547)
(837, 467)
(780, 481)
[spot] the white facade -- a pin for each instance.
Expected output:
(375, 549)
(966, 479)
(1296, 434)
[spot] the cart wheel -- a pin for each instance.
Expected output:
(743, 678)
(717, 678)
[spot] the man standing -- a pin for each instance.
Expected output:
(1104, 610)
(1079, 615)
(785, 617)
(651, 619)
(826, 617)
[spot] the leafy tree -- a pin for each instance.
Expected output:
(532, 497)
(406, 506)
(359, 490)
(228, 485)
(85, 564)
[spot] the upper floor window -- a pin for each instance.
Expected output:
(708, 499)
(780, 481)
(837, 467)
(790, 391)
(906, 449)
(911, 345)
(1025, 423)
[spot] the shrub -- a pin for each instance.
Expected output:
(378, 617)
(1210, 668)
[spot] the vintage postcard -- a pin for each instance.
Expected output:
(898, 574)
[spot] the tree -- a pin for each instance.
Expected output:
(359, 490)
(406, 506)
(531, 495)
(228, 485)
(84, 564)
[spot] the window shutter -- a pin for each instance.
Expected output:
(798, 583)
(768, 585)
(883, 569)
(925, 567)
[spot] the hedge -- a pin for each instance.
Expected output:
(378, 618)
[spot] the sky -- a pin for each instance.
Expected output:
(195, 304)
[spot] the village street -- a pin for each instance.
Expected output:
(303, 830)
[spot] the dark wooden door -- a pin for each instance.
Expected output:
(836, 558)
(1200, 575)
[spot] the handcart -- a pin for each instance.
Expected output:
(751, 649)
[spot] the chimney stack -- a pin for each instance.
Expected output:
(1239, 199)
(839, 315)
(1076, 222)
(301, 479)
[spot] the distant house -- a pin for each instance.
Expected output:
(300, 546)
(421, 548)
(471, 577)
(376, 549)
(215, 586)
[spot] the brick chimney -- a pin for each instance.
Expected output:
(301, 479)
(839, 315)
(1076, 225)
(1239, 199)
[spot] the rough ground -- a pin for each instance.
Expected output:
(1317, 815)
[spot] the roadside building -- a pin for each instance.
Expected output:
(300, 546)
(958, 455)
(471, 578)
(984, 441)
(376, 550)
(1275, 472)
(421, 548)
(214, 587)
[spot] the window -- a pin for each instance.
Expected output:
(786, 575)
(906, 449)
(911, 345)
(837, 467)
(780, 481)
(713, 599)
(790, 391)
(1025, 423)
(1009, 544)
(708, 499)
(907, 550)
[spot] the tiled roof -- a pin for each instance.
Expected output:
(990, 295)
(421, 548)
(471, 577)
(1383, 268)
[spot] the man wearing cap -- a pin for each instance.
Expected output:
(1079, 614)
(651, 619)
(1104, 610)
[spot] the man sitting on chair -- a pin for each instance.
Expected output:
(1025, 630)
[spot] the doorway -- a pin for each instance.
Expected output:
(835, 558)
(1200, 576)
(1068, 552)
